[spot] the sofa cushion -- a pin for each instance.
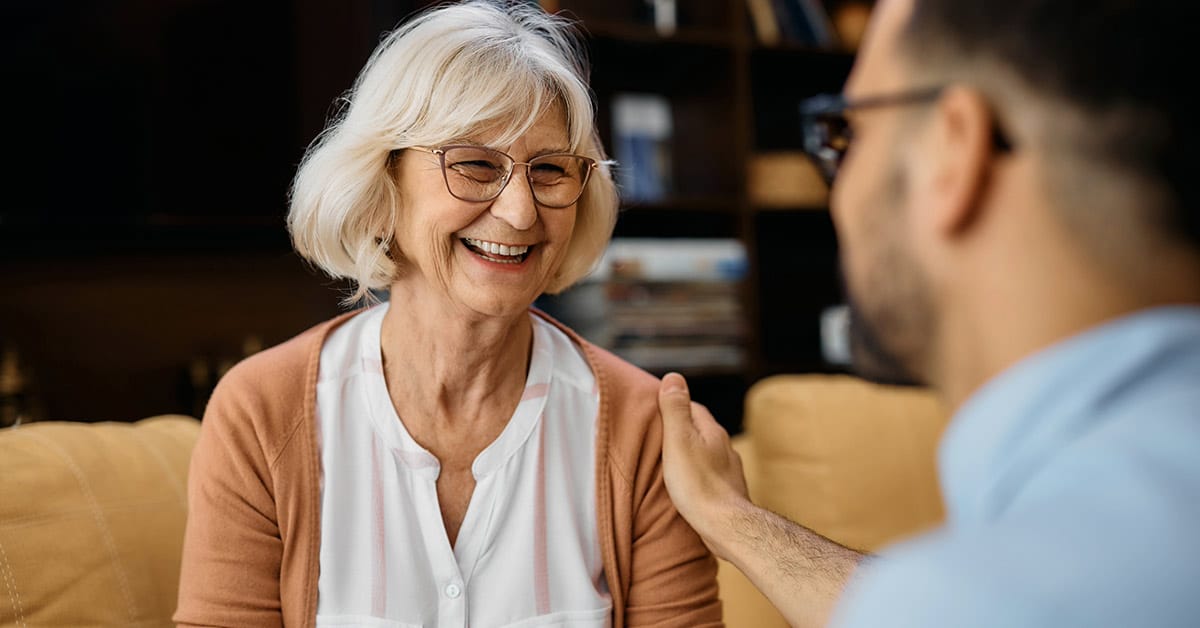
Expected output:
(91, 521)
(854, 461)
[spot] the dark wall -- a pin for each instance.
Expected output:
(149, 114)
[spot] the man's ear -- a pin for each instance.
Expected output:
(960, 154)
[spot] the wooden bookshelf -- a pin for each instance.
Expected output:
(196, 114)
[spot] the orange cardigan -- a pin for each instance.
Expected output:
(252, 547)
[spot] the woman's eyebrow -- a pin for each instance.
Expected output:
(549, 151)
(538, 153)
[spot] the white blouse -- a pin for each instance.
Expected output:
(527, 553)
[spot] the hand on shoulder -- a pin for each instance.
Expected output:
(702, 472)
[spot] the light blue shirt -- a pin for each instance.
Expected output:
(1072, 489)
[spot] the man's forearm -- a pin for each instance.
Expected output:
(801, 572)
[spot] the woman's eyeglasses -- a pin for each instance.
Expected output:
(478, 174)
(827, 133)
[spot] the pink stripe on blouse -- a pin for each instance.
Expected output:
(535, 391)
(541, 569)
(379, 582)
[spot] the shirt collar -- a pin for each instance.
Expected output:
(1020, 418)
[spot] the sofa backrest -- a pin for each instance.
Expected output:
(852, 460)
(91, 521)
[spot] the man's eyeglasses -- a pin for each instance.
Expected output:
(827, 133)
(477, 174)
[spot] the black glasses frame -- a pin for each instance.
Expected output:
(826, 133)
(440, 151)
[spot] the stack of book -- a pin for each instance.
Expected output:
(665, 304)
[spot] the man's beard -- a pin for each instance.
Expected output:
(870, 357)
(891, 319)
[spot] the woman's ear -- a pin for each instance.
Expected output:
(960, 151)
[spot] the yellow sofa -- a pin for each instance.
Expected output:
(852, 460)
(91, 521)
(92, 515)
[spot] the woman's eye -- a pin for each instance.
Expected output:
(477, 164)
(478, 170)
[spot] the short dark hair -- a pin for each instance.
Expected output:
(1123, 59)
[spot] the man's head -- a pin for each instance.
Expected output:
(1000, 143)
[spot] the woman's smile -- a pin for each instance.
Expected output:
(498, 253)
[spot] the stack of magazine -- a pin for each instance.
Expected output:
(665, 304)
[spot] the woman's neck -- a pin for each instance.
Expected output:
(447, 367)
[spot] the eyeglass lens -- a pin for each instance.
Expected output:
(826, 139)
(479, 174)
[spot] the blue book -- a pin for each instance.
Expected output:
(805, 22)
(641, 146)
(789, 28)
(818, 22)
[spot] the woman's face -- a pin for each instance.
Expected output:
(450, 246)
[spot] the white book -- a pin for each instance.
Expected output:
(673, 259)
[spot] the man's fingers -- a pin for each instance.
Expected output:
(675, 404)
(703, 419)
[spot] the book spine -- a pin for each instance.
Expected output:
(818, 23)
(641, 142)
(766, 25)
(789, 28)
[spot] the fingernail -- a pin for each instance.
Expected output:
(673, 382)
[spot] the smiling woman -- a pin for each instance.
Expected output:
(442, 78)
(464, 192)
(449, 456)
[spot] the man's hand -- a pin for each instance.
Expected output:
(801, 572)
(702, 472)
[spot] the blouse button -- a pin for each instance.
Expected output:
(452, 591)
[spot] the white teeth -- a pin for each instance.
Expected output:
(497, 249)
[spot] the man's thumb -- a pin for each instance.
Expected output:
(675, 404)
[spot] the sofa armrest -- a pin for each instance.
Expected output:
(91, 521)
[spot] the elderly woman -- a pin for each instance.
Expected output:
(450, 457)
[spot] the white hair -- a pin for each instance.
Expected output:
(450, 73)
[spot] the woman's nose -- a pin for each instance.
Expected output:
(515, 205)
